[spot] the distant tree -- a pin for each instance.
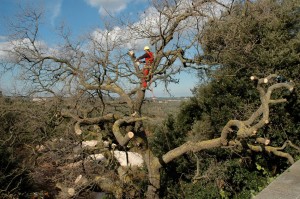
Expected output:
(97, 73)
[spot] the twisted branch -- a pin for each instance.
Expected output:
(245, 128)
(123, 140)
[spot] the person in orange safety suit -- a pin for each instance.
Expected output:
(149, 58)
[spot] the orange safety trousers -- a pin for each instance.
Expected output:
(146, 76)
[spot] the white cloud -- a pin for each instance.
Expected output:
(119, 37)
(5, 47)
(54, 9)
(8, 48)
(112, 6)
(3, 38)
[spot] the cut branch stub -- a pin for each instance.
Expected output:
(264, 141)
(130, 134)
(77, 128)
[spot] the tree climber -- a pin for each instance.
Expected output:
(147, 69)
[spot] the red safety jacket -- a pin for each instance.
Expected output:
(149, 59)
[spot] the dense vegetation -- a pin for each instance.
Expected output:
(256, 38)
(24, 126)
(261, 37)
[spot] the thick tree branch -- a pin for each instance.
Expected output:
(123, 140)
(243, 129)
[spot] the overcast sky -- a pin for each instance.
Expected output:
(83, 16)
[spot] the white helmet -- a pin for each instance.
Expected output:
(146, 48)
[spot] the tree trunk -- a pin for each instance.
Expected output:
(153, 167)
(139, 102)
(139, 125)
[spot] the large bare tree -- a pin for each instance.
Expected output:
(98, 72)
